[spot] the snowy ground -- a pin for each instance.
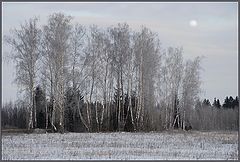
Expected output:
(163, 145)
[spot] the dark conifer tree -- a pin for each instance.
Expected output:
(218, 104)
(236, 102)
(231, 102)
(215, 102)
(226, 103)
(206, 102)
(40, 107)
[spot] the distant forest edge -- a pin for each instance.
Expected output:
(206, 116)
(80, 79)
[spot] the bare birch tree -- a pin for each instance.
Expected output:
(76, 64)
(57, 33)
(190, 88)
(147, 56)
(25, 42)
(174, 67)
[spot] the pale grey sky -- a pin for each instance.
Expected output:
(214, 37)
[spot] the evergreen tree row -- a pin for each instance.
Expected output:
(229, 102)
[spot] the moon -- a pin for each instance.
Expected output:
(193, 23)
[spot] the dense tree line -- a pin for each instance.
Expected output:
(92, 79)
(216, 117)
(230, 102)
(14, 115)
(204, 116)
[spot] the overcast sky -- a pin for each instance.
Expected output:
(212, 34)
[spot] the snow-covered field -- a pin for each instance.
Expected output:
(161, 145)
